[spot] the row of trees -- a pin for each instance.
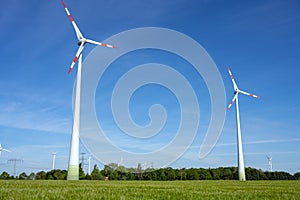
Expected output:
(115, 172)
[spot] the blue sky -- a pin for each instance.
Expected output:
(258, 39)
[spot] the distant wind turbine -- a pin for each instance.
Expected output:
(121, 162)
(2, 149)
(53, 160)
(73, 168)
(237, 91)
(270, 162)
(89, 165)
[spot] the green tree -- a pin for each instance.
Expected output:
(215, 173)
(108, 169)
(181, 174)
(49, 175)
(192, 174)
(204, 174)
(59, 174)
(31, 176)
(130, 176)
(81, 172)
(162, 175)
(4, 175)
(170, 173)
(279, 176)
(40, 175)
(297, 175)
(255, 174)
(114, 175)
(121, 169)
(226, 174)
(148, 176)
(23, 176)
(96, 174)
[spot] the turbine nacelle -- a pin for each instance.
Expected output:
(81, 41)
(237, 91)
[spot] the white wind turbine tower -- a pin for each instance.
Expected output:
(121, 162)
(53, 160)
(270, 162)
(237, 91)
(89, 165)
(2, 149)
(73, 168)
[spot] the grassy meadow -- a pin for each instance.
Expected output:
(19, 189)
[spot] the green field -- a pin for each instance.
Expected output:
(17, 189)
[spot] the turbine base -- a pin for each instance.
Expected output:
(73, 172)
(242, 176)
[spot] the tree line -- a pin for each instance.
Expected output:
(114, 171)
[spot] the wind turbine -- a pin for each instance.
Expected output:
(53, 160)
(89, 165)
(2, 149)
(73, 168)
(237, 91)
(121, 162)
(270, 162)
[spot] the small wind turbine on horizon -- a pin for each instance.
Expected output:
(2, 149)
(237, 91)
(269, 158)
(53, 160)
(121, 162)
(89, 165)
(73, 167)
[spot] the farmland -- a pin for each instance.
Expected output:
(25, 189)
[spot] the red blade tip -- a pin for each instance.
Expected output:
(69, 71)
(63, 3)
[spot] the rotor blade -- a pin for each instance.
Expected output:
(6, 150)
(232, 79)
(100, 44)
(249, 94)
(232, 101)
(79, 51)
(77, 31)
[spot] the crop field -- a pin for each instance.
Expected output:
(17, 189)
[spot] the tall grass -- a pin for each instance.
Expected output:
(15, 189)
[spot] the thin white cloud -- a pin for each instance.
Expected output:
(256, 153)
(257, 142)
(33, 113)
